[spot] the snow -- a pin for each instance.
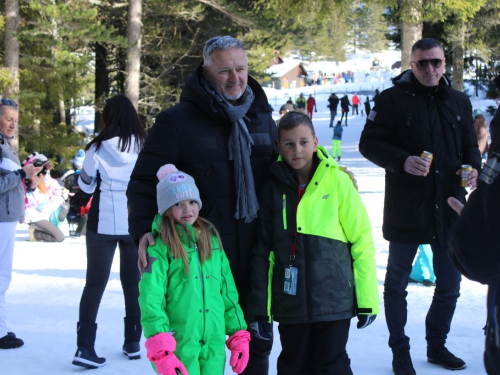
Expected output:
(48, 279)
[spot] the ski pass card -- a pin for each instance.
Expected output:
(291, 280)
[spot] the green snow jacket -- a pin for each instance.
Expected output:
(334, 248)
(199, 308)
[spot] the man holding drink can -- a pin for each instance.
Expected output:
(421, 132)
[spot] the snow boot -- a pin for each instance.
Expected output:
(133, 331)
(439, 355)
(401, 362)
(85, 355)
(10, 341)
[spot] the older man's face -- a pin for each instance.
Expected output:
(423, 66)
(228, 72)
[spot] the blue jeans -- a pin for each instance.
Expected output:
(446, 293)
(100, 252)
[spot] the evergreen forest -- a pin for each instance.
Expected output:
(59, 55)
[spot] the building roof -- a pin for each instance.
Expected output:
(279, 70)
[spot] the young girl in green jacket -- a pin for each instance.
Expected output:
(188, 298)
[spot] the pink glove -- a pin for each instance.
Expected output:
(169, 365)
(161, 349)
(238, 345)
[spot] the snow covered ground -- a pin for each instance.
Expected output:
(42, 302)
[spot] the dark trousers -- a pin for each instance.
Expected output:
(317, 348)
(258, 364)
(100, 252)
(333, 114)
(355, 109)
(446, 293)
(344, 113)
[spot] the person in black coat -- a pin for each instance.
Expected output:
(421, 112)
(367, 106)
(217, 111)
(375, 97)
(333, 102)
(344, 105)
(474, 248)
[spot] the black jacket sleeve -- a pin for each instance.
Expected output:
(377, 139)
(161, 147)
(474, 246)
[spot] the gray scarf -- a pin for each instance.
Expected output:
(239, 147)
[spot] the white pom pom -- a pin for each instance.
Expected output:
(165, 170)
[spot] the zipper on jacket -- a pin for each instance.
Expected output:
(284, 212)
(202, 292)
(199, 273)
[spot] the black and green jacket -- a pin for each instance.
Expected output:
(334, 248)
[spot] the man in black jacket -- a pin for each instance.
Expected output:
(221, 133)
(421, 113)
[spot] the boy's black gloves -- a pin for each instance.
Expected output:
(365, 320)
(80, 199)
(262, 330)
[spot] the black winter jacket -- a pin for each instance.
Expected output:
(193, 136)
(475, 249)
(333, 102)
(407, 120)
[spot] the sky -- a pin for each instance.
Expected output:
(48, 279)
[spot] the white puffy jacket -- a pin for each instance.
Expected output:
(106, 174)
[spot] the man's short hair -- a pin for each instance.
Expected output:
(287, 107)
(291, 120)
(426, 44)
(220, 43)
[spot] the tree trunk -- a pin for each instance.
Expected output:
(411, 28)
(12, 56)
(134, 51)
(101, 80)
(458, 58)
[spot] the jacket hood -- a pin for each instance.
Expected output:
(192, 92)
(111, 147)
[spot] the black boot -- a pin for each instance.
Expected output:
(401, 362)
(439, 355)
(133, 331)
(10, 341)
(85, 355)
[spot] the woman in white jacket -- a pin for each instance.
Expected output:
(109, 160)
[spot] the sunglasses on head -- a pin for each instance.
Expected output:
(423, 64)
(9, 102)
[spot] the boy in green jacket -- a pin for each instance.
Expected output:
(313, 266)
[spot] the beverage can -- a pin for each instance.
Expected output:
(465, 171)
(427, 156)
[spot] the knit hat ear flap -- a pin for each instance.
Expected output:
(173, 187)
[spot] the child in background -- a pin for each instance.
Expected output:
(188, 298)
(337, 137)
(313, 265)
(423, 269)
